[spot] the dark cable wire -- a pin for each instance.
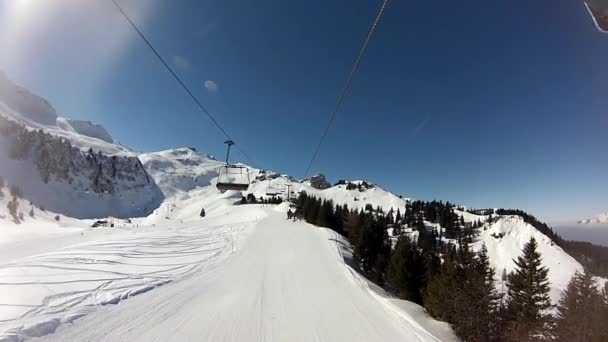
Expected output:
(177, 78)
(346, 86)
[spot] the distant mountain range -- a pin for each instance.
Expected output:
(601, 218)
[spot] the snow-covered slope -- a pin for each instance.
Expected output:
(375, 195)
(598, 219)
(249, 275)
(86, 128)
(180, 170)
(505, 239)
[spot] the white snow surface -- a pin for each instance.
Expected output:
(355, 199)
(178, 171)
(515, 234)
(241, 273)
(86, 128)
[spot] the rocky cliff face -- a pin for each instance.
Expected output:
(318, 181)
(46, 167)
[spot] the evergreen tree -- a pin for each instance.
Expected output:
(13, 209)
(353, 221)
(32, 211)
(528, 297)
(202, 214)
(579, 312)
(439, 296)
(477, 304)
(406, 271)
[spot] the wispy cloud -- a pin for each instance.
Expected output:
(211, 86)
(420, 126)
(422, 123)
(181, 62)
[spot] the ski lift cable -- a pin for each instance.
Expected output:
(345, 88)
(177, 78)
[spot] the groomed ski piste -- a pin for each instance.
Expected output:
(242, 273)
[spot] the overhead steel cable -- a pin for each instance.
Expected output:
(346, 86)
(177, 78)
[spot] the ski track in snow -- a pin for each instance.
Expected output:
(284, 282)
(42, 292)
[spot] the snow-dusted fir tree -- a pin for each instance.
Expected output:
(528, 298)
(580, 312)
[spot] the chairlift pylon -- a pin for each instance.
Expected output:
(232, 177)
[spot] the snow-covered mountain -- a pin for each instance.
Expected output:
(19, 105)
(68, 166)
(598, 219)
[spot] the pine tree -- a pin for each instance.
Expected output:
(528, 297)
(13, 209)
(406, 271)
(579, 311)
(32, 211)
(480, 309)
(440, 294)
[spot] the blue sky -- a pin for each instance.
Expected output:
(489, 104)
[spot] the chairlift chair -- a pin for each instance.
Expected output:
(233, 177)
(270, 191)
(598, 9)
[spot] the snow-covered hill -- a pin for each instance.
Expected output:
(505, 239)
(598, 219)
(355, 198)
